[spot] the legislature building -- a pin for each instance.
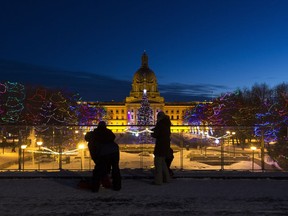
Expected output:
(124, 113)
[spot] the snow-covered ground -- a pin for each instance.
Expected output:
(191, 192)
(183, 196)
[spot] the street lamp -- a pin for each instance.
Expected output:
(222, 154)
(253, 148)
(233, 133)
(205, 147)
(201, 143)
(81, 146)
(229, 135)
(23, 147)
(217, 141)
(39, 144)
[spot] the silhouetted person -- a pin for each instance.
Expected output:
(162, 148)
(105, 154)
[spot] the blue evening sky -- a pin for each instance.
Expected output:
(195, 47)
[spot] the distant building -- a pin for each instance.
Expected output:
(125, 113)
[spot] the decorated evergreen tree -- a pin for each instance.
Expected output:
(145, 113)
(144, 118)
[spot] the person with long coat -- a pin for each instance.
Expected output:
(161, 133)
(105, 154)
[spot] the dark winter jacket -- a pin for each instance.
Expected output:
(101, 142)
(162, 134)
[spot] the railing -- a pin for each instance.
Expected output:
(30, 148)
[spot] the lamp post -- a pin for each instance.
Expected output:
(229, 135)
(205, 147)
(233, 133)
(39, 144)
(217, 141)
(23, 147)
(253, 148)
(84, 133)
(81, 146)
(201, 142)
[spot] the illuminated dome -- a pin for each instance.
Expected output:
(144, 79)
(144, 73)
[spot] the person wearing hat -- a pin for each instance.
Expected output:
(161, 133)
(105, 154)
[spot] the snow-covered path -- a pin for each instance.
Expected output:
(183, 196)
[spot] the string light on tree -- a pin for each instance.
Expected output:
(144, 117)
(145, 113)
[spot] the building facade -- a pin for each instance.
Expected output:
(122, 114)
